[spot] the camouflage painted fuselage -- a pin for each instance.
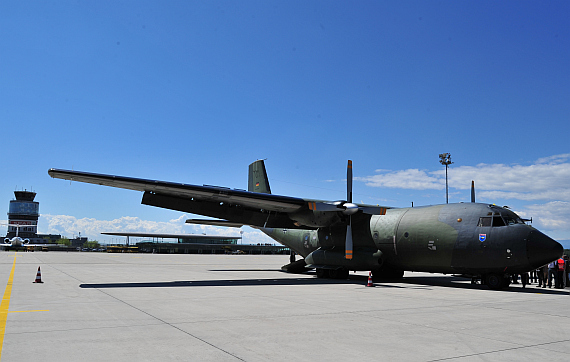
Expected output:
(467, 238)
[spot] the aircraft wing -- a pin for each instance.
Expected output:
(210, 193)
(230, 207)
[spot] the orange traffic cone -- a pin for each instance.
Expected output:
(38, 276)
(370, 284)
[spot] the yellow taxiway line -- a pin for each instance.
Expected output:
(5, 304)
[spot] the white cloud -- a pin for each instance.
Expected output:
(69, 226)
(404, 179)
(554, 159)
(553, 217)
(546, 179)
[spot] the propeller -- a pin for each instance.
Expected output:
(347, 208)
(351, 209)
(472, 191)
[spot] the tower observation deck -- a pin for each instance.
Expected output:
(23, 211)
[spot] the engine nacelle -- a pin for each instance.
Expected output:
(26, 241)
(360, 260)
(6, 241)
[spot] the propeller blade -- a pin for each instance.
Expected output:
(349, 182)
(348, 254)
(472, 191)
(348, 244)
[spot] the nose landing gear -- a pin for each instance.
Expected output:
(497, 281)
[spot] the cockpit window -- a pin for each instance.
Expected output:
(512, 219)
(496, 220)
(491, 221)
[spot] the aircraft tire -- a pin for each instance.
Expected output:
(341, 273)
(334, 273)
(322, 273)
(387, 274)
(397, 274)
(496, 281)
(344, 273)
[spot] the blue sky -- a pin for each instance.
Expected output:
(194, 91)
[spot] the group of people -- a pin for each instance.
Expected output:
(557, 271)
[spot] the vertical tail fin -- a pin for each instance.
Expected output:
(257, 179)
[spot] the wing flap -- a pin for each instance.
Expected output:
(224, 223)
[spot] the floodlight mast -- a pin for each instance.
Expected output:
(445, 159)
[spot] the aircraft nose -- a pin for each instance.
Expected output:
(541, 249)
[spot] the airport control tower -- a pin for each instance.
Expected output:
(26, 212)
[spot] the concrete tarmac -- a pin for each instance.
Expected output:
(145, 307)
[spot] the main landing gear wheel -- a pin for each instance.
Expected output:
(387, 274)
(338, 273)
(341, 273)
(322, 273)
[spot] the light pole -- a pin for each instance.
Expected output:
(445, 159)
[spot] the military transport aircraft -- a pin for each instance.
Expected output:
(473, 239)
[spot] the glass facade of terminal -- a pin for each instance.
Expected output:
(209, 241)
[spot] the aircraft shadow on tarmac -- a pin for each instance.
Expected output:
(408, 282)
(463, 283)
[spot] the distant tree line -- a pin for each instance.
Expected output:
(94, 244)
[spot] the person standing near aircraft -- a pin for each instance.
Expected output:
(552, 273)
(533, 276)
(561, 272)
(567, 273)
(542, 276)
(524, 279)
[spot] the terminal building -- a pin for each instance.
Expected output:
(195, 244)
